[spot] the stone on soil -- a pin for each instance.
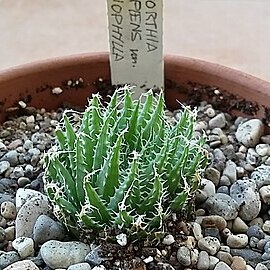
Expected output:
(8, 210)
(7, 258)
(46, 229)
(58, 254)
(222, 266)
(222, 205)
(28, 214)
(184, 256)
(203, 261)
(261, 175)
(250, 132)
(4, 165)
(237, 241)
(80, 266)
(209, 244)
(22, 265)
(245, 193)
(24, 246)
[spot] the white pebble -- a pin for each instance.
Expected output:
(148, 259)
(265, 194)
(210, 112)
(168, 240)
(8, 210)
(24, 246)
(121, 239)
(22, 104)
(30, 119)
(57, 90)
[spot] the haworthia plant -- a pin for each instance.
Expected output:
(124, 166)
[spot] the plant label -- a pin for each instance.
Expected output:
(136, 45)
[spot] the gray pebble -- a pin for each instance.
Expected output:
(255, 231)
(208, 187)
(237, 241)
(28, 171)
(24, 246)
(93, 257)
(250, 132)
(28, 144)
(209, 244)
(222, 205)
(184, 256)
(267, 247)
(28, 215)
(23, 181)
(261, 175)
(245, 193)
(47, 229)
(219, 159)
(251, 257)
(2, 235)
(214, 232)
(223, 189)
(17, 172)
(239, 226)
(230, 171)
(266, 256)
(219, 121)
(213, 175)
(266, 226)
(11, 157)
(80, 266)
(222, 266)
(7, 258)
(203, 261)
(263, 149)
(253, 241)
(8, 210)
(197, 230)
(261, 266)
(4, 165)
(225, 257)
(224, 181)
(213, 261)
(23, 195)
(58, 254)
(10, 233)
(261, 244)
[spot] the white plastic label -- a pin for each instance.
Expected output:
(136, 45)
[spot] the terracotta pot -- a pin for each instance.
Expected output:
(33, 82)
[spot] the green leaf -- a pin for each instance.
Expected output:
(131, 136)
(71, 138)
(155, 120)
(80, 171)
(66, 206)
(153, 197)
(125, 185)
(179, 201)
(95, 120)
(61, 138)
(95, 200)
(108, 177)
(66, 180)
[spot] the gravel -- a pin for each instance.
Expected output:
(231, 229)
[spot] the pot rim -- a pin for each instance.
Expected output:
(201, 66)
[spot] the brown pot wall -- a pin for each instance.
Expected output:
(34, 81)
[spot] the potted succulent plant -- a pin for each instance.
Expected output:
(71, 80)
(122, 177)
